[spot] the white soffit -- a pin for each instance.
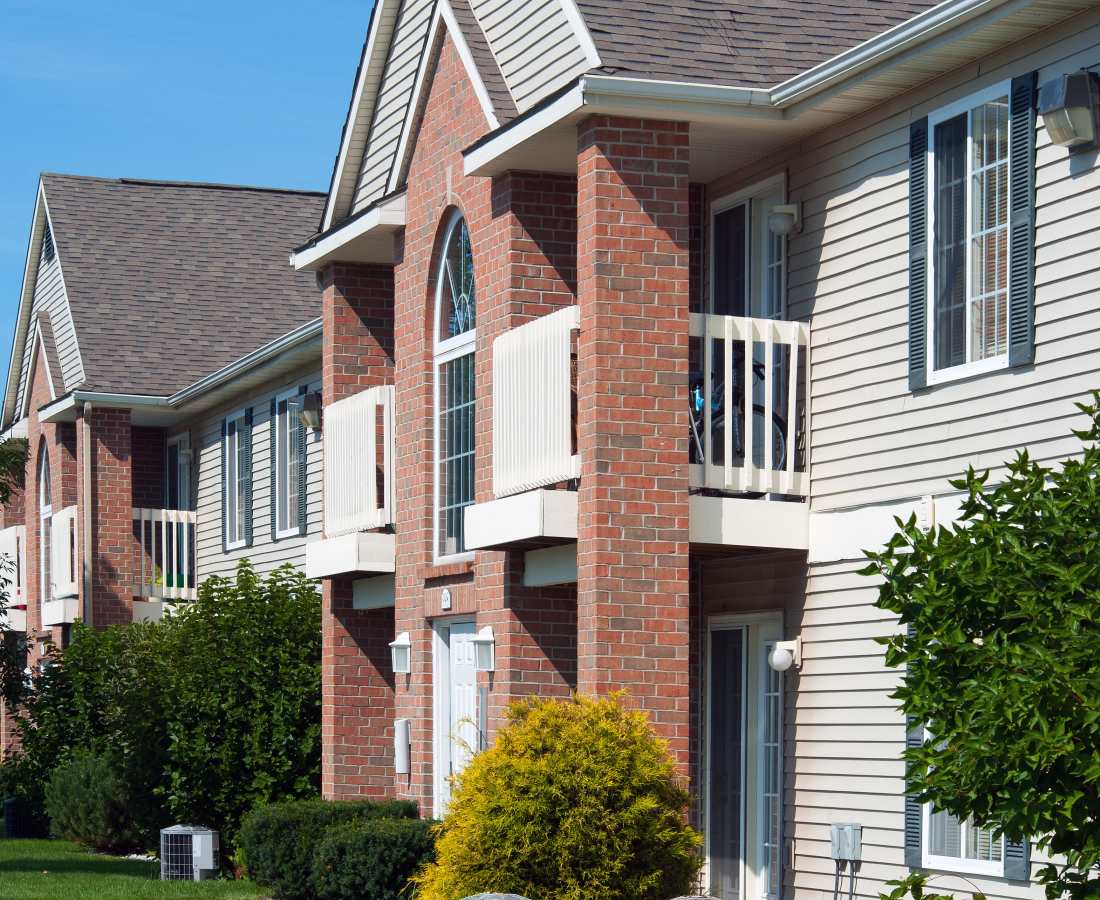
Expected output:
(533, 517)
(366, 238)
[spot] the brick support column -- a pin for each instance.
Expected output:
(633, 289)
(113, 542)
(357, 684)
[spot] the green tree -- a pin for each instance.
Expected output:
(1002, 626)
(13, 644)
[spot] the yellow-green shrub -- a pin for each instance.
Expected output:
(577, 799)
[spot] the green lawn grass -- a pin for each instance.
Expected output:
(36, 870)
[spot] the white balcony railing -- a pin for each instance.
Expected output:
(533, 439)
(761, 453)
(358, 441)
(166, 553)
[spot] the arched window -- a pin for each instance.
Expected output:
(45, 517)
(455, 320)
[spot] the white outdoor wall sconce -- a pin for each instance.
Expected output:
(786, 654)
(785, 219)
(401, 654)
(484, 650)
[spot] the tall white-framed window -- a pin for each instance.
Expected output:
(455, 337)
(288, 443)
(968, 235)
(45, 528)
(958, 845)
(236, 473)
(177, 472)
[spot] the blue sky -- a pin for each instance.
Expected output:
(237, 91)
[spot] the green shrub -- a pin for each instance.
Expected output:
(23, 781)
(373, 858)
(577, 799)
(278, 841)
(88, 802)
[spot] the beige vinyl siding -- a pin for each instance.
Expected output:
(206, 441)
(49, 297)
(843, 733)
(392, 103)
(872, 440)
(534, 44)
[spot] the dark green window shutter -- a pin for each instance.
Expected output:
(274, 459)
(918, 255)
(246, 443)
(1021, 271)
(301, 436)
(225, 498)
(914, 809)
(1018, 860)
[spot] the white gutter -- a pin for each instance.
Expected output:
(54, 412)
(386, 217)
(689, 98)
(917, 30)
(301, 335)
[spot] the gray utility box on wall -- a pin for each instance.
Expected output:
(847, 842)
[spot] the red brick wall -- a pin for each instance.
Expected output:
(523, 234)
(113, 541)
(357, 678)
(633, 279)
(149, 473)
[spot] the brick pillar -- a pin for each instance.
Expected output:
(357, 684)
(113, 542)
(633, 290)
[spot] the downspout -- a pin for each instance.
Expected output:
(86, 505)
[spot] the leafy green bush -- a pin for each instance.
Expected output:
(278, 841)
(206, 713)
(1002, 616)
(577, 799)
(25, 783)
(88, 802)
(373, 858)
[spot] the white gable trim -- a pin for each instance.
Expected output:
(39, 222)
(356, 129)
(38, 351)
(584, 36)
(443, 17)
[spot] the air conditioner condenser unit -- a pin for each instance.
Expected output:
(188, 853)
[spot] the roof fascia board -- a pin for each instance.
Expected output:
(387, 215)
(43, 354)
(918, 30)
(310, 331)
(584, 36)
(64, 409)
(370, 50)
(522, 129)
(26, 300)
(442, 17)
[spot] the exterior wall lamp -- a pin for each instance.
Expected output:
(785, 219)
(484, 650)
(401, 654)
(1070, 107)
(309, 410)
(785, 654)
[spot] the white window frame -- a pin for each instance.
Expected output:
(970, 368)
(182, 473)
(761, 628)
(238, 420)
(282, 475)
(756, 229)
(45, 527)
(956, 864)
(444, 351)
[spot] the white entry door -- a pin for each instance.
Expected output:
(457, 736)
(743, 807)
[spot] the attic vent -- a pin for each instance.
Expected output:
(48, 251)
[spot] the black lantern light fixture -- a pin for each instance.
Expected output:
(1070, 107)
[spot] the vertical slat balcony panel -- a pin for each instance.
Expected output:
(353, 501)
(708, 388)
(532, 427)
(792, 425)
(769, 388)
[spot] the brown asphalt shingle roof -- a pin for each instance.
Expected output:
(171, 281)
(758, 44)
